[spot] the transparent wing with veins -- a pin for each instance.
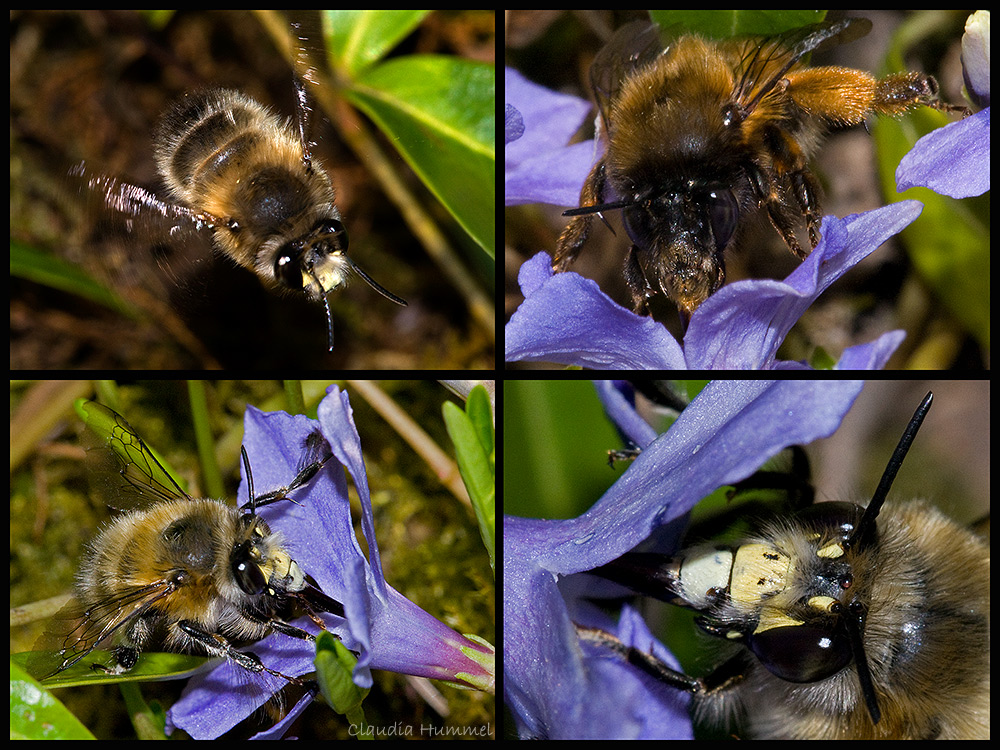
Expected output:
(132, 459)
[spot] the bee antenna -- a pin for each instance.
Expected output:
(864, 534)
(374, 284)
(246, 465)
(583, 210)
(855, 624)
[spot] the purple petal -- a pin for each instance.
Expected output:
(742, 325)
(538, 166)
(953, 160)
(566, 318)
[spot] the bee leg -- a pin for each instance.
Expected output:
(771, 195)
(126, 654)
(646, 662)
(624, 454)
(789, 173)
(804, 188)
(725, 677)
(575, 233)
(216, 645)
(900, 92)
(124, 658)
(636, 280)
(570, 242)
(282, 493)
(291, 630)
(778, 212)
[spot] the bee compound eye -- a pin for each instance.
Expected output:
(286, 268)
(801, 653)
(724, 213)
(637, 224)
(249, 577)
(337, 233)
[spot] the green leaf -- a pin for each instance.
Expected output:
(36, 714)
(439, 112)
(334, 670)
(357, 38)
(151, 667)
(556, 441)
(472, 433)
(43, 268)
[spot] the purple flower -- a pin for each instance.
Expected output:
(566, 318)
(556, 687)
(384, 628)
(538, 165)
(953, 160)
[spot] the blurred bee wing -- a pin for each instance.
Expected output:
(129, 211)
(631, 47)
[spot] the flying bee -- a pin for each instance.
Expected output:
(234, 168)
(846, 621)
(702, 134)
(192, 575)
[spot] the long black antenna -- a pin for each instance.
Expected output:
(864, 534)
(246, 465)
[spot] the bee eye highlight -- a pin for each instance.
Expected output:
(338, 237)
(286, 267)
(801, 653)
(249, 577)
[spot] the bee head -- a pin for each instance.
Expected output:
(317, 264)
(259, 562)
